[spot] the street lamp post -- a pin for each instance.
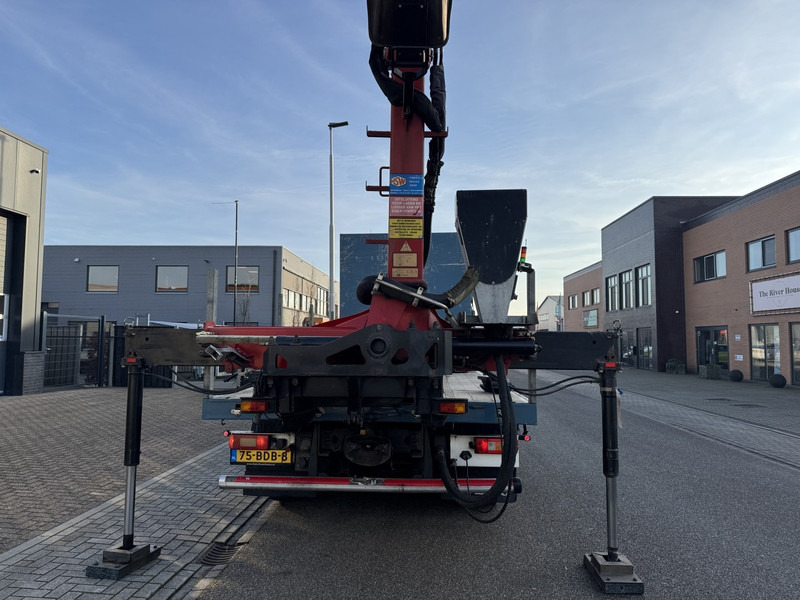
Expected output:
(331, 304)
(235, 261)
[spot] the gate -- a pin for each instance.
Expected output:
(77, 350)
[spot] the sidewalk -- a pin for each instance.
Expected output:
(752, 401)
(61, 494)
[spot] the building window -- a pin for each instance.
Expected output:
(626, 289)
(102, 278)
(793, 245)
(612, 293)
(246, 279)
(590, 318)
(761, 254)
(587, 298)
(643, 285)
(596, 296)
(764, 351)
(172, 278)
(710, 266)
(573, 301)
(322, 301)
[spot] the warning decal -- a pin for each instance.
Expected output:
(405, 228)
(404, 259)
(405, 206)
(406, 273)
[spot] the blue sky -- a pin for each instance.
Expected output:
(156, 112)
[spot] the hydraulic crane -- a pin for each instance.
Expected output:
(377, 401)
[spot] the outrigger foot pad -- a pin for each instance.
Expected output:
(613, 576)
(118, 562)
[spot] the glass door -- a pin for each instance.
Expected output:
(765, 355)
(644, 346)
(712, 347)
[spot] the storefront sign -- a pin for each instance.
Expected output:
(781, 294)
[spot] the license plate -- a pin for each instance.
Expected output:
(261, 457)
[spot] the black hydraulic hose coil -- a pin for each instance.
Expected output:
(508, 458)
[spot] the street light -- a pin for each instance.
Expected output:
(331, 304)
(235, 261)
(235, 256)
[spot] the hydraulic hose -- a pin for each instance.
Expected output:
(508, 457)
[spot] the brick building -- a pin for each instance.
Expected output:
(741, 270)
(713, 282)
(583, 291)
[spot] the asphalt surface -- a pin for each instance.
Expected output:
(699, 516)
(707, 504)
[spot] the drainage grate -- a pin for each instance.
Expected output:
(218, 554)
(750, 405)
(719, 399)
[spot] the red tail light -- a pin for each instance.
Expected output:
(253, 406)
(488, 445)
(455, 407)
(248, 441)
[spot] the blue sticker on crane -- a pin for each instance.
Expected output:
(406, 184)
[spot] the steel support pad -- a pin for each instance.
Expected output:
(613, 576)
(611, 571)
(119, 561)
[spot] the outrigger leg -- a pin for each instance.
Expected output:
(612, 571)
(120, 560)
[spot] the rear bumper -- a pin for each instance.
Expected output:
(348, 484)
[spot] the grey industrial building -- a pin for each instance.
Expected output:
(642, 263)
(23, 174)
(128, 284)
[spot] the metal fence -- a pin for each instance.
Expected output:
(78, 350)
(85, 350)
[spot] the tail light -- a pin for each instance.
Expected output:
(453, 407)
(247, 441)
(488, 445)
(253, 406)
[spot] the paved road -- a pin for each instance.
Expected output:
(707, 493)
(699, 517)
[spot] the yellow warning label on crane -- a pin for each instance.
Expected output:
(405, 228)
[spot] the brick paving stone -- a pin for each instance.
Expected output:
(45, 546)
(56, 592)
(50, 489)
